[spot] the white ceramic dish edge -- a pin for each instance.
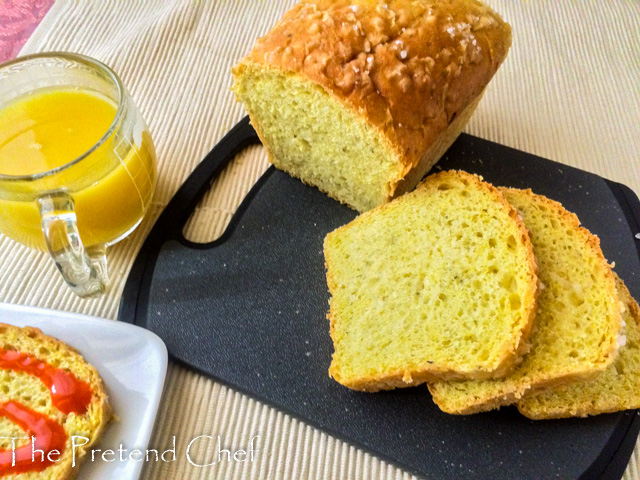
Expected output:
(135, 392)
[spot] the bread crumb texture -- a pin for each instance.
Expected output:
(349, 95)
(578, 317)
(34, 394)
(313, 137)
(440, 283)
(617, 388)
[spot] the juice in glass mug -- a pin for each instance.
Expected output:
(45, 131)
(77, 164)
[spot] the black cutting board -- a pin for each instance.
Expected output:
(249, 310)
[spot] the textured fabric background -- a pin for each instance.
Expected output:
(18, 19)
(568, 91)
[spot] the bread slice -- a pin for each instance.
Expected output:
(361, 98)
(33, 395)
(617, 388)
(578, 317)
(438, 284)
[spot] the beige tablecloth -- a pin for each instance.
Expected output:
(568, 91)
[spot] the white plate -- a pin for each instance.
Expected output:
(132, 362)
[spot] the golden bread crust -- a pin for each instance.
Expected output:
(408, 66)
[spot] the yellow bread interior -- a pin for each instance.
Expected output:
(311, 135)
(34, 394)
(439, 283)
(578, 315)
(617, 388)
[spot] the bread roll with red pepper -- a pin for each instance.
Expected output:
(48, 394)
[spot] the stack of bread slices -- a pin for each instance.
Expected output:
(493, 296)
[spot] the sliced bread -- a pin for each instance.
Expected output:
(438, 284)
(578, 317)
(48, 389)
(617, 388)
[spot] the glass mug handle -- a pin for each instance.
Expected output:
(84, 269)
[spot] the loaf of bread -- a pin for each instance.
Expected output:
(617, 388)
(51, 393)
(360, 98)
(578, 319)
(438, 284)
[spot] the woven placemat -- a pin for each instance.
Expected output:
(568, 91)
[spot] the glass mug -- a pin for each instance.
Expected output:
(77, 182)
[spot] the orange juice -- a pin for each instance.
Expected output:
(112, 185)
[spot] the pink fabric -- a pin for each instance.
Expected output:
(18, 20)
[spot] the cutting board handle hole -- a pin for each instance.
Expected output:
(213, 213)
